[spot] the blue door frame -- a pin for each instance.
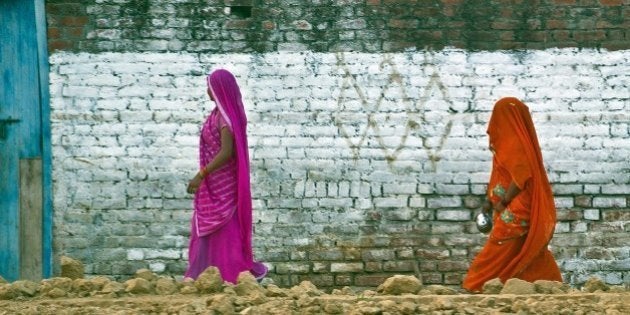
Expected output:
(24, 126)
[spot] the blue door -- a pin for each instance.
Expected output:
(25, 201)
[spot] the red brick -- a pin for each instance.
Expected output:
(373, 266)
(74, 32)
(535, 36)
(405, 2)
(453, 278)
(569, 215)
(409, 265)
(611, 2)
(589, 35)
(427, 266)
(561, 35)
(396, 23)
(616, 215)
(237, 24)
(452, 265)
(53, 33)
(74, 20)
(449, 11)
(509, 45)
(370, 280)
(452, 2)
(556, 24)
(597, 253)
(506, 36)
(342, 280)
(59, 45)
(319, 280)
(583, 201)
(432, 254)
(504, 25)
(432, 278)
(564, 252)
(616, 45)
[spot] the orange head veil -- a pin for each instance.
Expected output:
(513, 137)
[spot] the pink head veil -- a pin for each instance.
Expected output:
(227, 96)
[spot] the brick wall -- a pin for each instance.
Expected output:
(331, 26)
(367, 129)
(364, 165)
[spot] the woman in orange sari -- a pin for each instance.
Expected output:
(524, 211)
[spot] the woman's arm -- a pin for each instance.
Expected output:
(510, 194)
(222, 157)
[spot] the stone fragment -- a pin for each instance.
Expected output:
(344, 291)
(138, 286)
(518, 286)
(188, 290)
(165, 286)
(246, 284)
(594, 284)
(56, 293)
(61, 283)
(493, 286)
(209, 281)
(99, 282)
(305, 287)
(266, 281)
(112, 288)
(25, 287)
(274, 291)
(71, 268)
(83, 287)
(145, 274)
(441, 290)
(221, 303)
(188, 286)
(400, 284)
(551, 287)
(7, 292)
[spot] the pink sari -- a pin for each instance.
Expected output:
(221, 227)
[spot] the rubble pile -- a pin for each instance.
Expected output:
(148, 292)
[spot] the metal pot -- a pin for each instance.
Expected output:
(484, 222)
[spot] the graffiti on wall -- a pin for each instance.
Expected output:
(406, 115)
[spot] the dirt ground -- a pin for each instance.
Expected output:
(148, 293)
(576, 303)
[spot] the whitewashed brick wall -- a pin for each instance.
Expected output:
(363, 165)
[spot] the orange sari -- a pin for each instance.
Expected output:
(517, 245)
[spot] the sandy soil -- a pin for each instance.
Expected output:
(148, 293)
(575, 303)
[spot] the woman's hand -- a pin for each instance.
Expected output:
(194, 183)
(498, 207)
(486, 206)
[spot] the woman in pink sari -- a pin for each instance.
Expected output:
(221, 226)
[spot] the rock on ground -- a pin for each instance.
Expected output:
(71, 268)
(400, 284)
(518, 286)
(493, 286)
(138, 286)
(551, 287)
(101, 295)
(594, 285)
(209, 281)
(165, 286)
